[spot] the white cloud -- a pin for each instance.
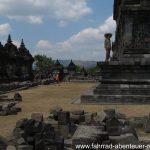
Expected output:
(5, 29)
(85, 45)
(17, 43)
(33, 11)
(29, 19)
(44, 45)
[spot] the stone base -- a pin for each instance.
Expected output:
(121, 83)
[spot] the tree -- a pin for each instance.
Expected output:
(43, 63)
(93, 70)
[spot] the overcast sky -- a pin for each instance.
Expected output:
(61, 29)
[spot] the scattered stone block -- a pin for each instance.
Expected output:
(88, 117)
(37, 117)
(119, 115)
(63, 117)
(124, 139)
(68, 142)
(17, 97)
(147, 127)
(10, 147)
(25, 147)
(3, 143)
(101, 117)
(77, 119)
(114, 127)
(64, 130)
(55, 111)
(110, 113)
(129, 129)
(78, 112)
(21, 141)
(86, 135)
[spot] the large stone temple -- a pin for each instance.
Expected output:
(126, 78)
(15, 63)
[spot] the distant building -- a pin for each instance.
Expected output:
(58, 68)
(15, 63)
(72, 68)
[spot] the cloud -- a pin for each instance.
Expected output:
(5, 29)
(85, 45)
(34, 11)
(44, 45)
(29, 19)
(17, 43)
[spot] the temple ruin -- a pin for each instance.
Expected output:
(15, 63)
(126, 78)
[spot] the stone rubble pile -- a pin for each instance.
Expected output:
(64, 130)
(36, 134)
(8, 105)
(9, 108)
(17, 85)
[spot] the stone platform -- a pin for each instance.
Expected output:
(121, 83)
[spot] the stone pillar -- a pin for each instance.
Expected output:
(64, 123)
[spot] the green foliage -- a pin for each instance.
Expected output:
(78, 68)
(93, 70)
(43, 63)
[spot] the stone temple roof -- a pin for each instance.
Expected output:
(16, 53)
(57, 65)
(10, 48)
(24, 53)
(71, 65)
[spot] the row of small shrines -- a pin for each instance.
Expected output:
(16, 63)
(70, 70)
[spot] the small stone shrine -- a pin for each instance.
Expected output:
(58, 68)
(15, 63)
(126, 78)
(72, 68)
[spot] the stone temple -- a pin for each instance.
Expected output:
(15, 63)
(126, 78)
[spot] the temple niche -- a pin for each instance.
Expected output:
(15, 63)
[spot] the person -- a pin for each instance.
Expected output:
(107, 45)
(57, 78)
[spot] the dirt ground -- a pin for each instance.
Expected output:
(43, 98)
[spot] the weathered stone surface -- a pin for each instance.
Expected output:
(21, 141)
(55, 111)
(10, 147)
(25, 147)
(37, 117)
(114, 127)
(17, 97)
(88, 117)
(111, 113)
(64, 130)
(87, 135)
(78, 112)
(63, 117)
(77, 118)
(124, 139)
(3, 143)
(129, 129)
